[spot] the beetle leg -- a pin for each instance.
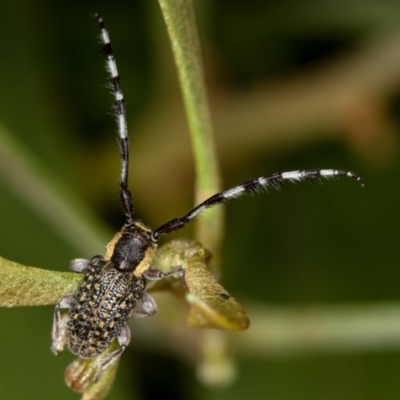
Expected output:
(148, 307)
(154, 274)
(59, 331)
(123, 339)
(79, 265)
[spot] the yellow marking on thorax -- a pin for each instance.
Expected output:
(145, 264)
(110, 246)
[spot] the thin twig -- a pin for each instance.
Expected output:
(180, 19)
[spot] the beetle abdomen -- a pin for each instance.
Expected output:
(101, 307)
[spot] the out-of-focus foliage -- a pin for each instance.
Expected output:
(308, 84)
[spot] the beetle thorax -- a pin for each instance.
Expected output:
(132, 249)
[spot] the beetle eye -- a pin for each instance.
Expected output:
(154, 236)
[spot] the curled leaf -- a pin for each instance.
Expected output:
(81, 373)
(211, 306)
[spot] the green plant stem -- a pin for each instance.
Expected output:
(181, 24)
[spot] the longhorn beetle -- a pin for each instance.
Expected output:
(114, 285)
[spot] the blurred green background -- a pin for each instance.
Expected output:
(292, 85)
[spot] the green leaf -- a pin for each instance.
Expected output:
(29, 286)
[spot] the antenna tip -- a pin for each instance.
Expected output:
(356, 177)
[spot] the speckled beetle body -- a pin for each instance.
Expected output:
(108, 295)
(101, 307)
(110, 291)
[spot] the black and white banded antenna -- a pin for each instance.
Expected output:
(273, 181)
(120, 112)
